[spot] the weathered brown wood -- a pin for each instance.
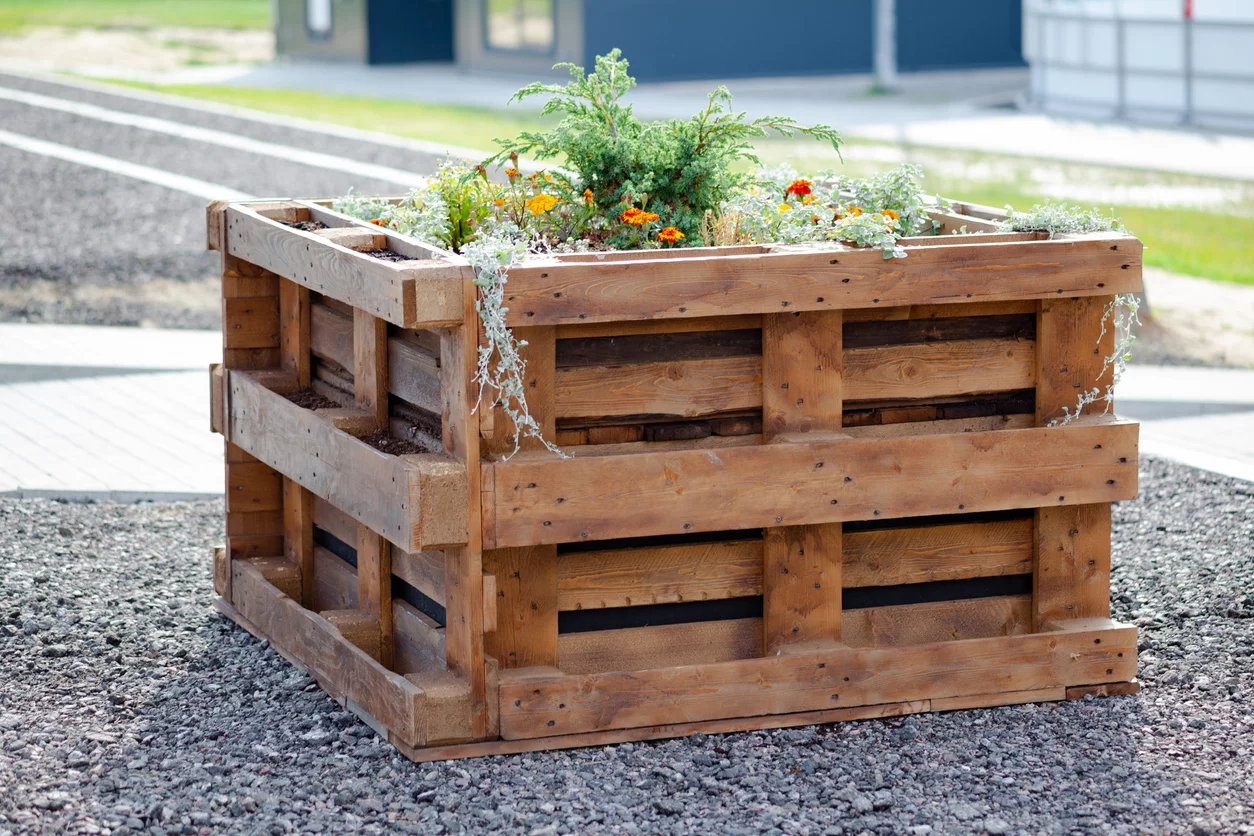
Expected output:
(527, 605)
(360, 629)
(358, 479)
(1071, 573)
(294, 326)
(669, 645)
(1074, 344)
(659, 575)
(424, 571)
(298, 546)
(814, 678)
(539, 388)
(801, 584)
(374, 586)
(335, 583)
(253, 487)
(251, 322)
(543, 292)
(1108, 689)
(648, 348)
(940, 621)
(946, 552)
(604, 497)
(880, 332)
(370, 367)
(418, 642)
(217, 403)
(221, 571)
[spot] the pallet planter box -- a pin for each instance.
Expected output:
(804, 484)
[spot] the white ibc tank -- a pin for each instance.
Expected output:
(1167, 62)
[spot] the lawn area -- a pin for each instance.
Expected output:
(16, 15)
(1181, 239)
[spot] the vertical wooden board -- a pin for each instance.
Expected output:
(374, 586)
(253, 487)
(1073, 342)
(294, 330)
(1071, 574)
(801, 584)
(298, 535)
(370, 365)
(222, 572)
(539, 385)
(526, 627)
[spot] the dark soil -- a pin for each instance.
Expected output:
(305, 226)
(390, 444)
(386, 255)
(309, 399)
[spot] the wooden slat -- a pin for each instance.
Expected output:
(418, 642)
(418, 294)
(527, 604)
(335, 522)
(940, 621)
(575, 331)
(801, 584)
(298, 522)
(331, 335)
(374, 586)
(1071, 575)
(416, 501)
(388, 697)
(1073, 344)
(547, 291)
(605, 497)
(253, 487)
(659, 575)
(539, 386)
(424, 571)
(251, 322)
(217, 404)
(947, 552)
(360, 629)
(806, 374)
(669, 645)
(691, 388)
(294, 327)
(370, 366)
(335, 582)
(649, 348)
(808, 678)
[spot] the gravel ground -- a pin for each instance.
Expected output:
(127, 705)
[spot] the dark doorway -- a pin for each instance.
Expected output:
(405, 31)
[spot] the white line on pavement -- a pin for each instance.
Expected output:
(168, 179)
(213, 137)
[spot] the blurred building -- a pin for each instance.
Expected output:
(664, 39)
(1156, 61)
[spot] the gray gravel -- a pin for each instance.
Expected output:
(127, 705)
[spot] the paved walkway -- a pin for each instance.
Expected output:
(123, 414)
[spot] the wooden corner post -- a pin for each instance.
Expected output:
(1071, 566)
(802, 398)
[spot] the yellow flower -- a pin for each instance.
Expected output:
(808, 199)
(670, 235)
(889, 213)
(587, 196)
(499, 202)
(784, 207)
(511, 173)
(541, 203)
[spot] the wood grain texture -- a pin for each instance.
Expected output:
(353, 476)
(527, 605)
(418, 642)
(424, 571)
(801, 584)
(544, 292)
(603, 497)
(952, 551)
(294, 330)
(374, 587)
(659, 575)
(251, 322)
(370, 366)
(1074, 341)
(1071, 573)
(538, 355)
(809, 678)
(668, 645)
(939, 621)
(803, 377)
(298, 546)
(335, 583)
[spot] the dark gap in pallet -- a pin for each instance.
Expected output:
(864, 597)
(940, 519)
(884, 332)
(651, 348)
(692, 612)
(881, 413)
(661, 540)
(400, 589)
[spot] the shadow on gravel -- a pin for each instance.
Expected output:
(127, 706)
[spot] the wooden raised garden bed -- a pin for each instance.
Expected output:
(805, 484)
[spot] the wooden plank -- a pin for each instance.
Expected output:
(298, 546)
(947, 552)
(691, 388)
(605, 497)
(1071, 574)
(1074, 341)
(649, 348)
(804, 373)
(416, 501)
(879, 332)
(809, 678)
(360, 629)
(576, 331)
(424, 571)
(370, 367)
(526, 603)
(251, 322)
(941, 311)
(374, 586)
(418, 642)
(216, 398)
(390, 699)
(417, 294)
(669, 645)
(335, 583)
(547, 291)
(659, 575)
(294, 326)
(221, 571)
(939, 621)
(801, 584)
(253, 487)
(538, 354)
(1108, 689)
(331, 335)
(335, 522)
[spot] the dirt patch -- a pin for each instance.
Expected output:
(1195, 322)
(386, 255)
(309, 399)
(111, 49)
(305, 226)
(387, 443)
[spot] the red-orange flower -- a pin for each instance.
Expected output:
(378, 222)
(889, 213)
(800, 188)
(587, 196)
(670, 235)
(638, 217)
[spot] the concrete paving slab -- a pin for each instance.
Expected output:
(87, 349)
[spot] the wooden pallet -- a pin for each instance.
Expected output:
(805, 484)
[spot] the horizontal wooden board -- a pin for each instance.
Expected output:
(951, 551)
(335, 582)
(648, 348)
(815, 677)
(938, 621)
(415, 501)
(541, 499)
(423, 570)
(552, 292)
(418, 642)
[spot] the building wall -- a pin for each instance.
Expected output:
(348, 31)
(473, 53)
(945, 36)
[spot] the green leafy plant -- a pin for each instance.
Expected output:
(1057, 218)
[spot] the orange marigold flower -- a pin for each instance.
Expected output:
(889, 213)
(800, 188)
(638, 217)
(808, 199)
(814, 218)
(541, 203)
(854, 211)
(511, 173)
(378, 222)
(670, 235)
(587, 196)
(499, 202)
